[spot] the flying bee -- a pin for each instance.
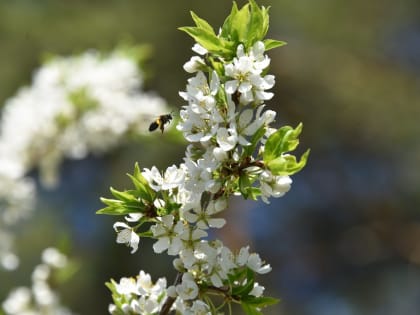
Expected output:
(160, 122)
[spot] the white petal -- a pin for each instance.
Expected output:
(243, 255)
(214, 83)
(198, 234)
(231, 86)
(197, 48)
(175, 247)
(120, 225)
(161, 245)
(244, 87)
(133, 217)
(217, 282)
(168, 220)
(217, 223)
(245, 118)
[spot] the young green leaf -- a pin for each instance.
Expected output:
(258, 24)
(227, 25)
(201, 23)
(261, 301)
(250, 309)
(287, 164)
(240, 25)
(243, 290)
(125, 196)
(141, 191)
(210, 41)
(283, 140)
(272, 43)
(121, 209)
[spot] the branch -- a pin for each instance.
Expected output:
(170, 300)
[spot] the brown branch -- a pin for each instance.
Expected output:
(170, 300)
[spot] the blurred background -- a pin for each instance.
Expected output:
(345, 240)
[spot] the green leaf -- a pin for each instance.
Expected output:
(243, 290)
(210, 41)
(283, 140)
(123, 209)
(287, 164)
(244, 185)
(137, 175)
(250, 309)
(238, 274)
(261, 301)
(240, 25)
(201, 23)
(142, 191)
(265, 21)
(227, 25)
(272, 43)
(112, 202)
(258, 24)
(125, 196)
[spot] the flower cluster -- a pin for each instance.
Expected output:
(223, 117)
(232, 150)
(40, 298)
(138, 295)
(75, 106)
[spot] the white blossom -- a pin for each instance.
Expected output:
(227, 138)
(203, 217)
(253, 261)
(126, 286)
(126, 235)
(194, 64)
(273, 186)
(246, 70)
(257, 290)
(188, 289)
(168, 235)
(172, 178)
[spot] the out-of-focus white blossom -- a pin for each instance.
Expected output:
(40, 299)
(8, 260)
(75, 106)
(52, 257)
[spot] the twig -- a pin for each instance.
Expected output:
(170, 300)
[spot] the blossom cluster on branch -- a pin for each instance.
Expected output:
(233, 150)
(78, 105)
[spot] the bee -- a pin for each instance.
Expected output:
(160, 122)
